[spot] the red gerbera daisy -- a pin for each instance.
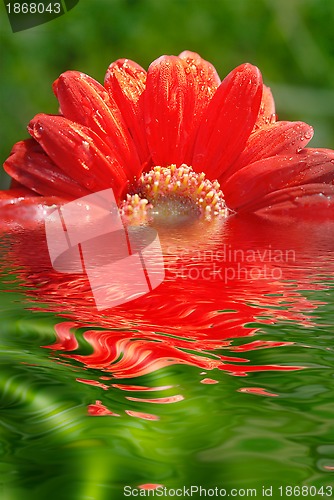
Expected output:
(174, 140)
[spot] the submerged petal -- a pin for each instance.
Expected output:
(31, 167)
(83, 100)
(21, 207)
(125, 81)
(79, 152)
(10, 196)
(228, 121)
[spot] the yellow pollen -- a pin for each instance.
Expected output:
(174, 190)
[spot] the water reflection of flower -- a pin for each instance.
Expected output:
(186, 321)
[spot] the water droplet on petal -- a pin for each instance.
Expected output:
(85, 145)
(38, 129)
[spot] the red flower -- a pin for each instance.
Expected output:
(178, 113)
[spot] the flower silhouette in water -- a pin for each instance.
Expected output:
(174, 143)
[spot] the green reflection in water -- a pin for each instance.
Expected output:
(219, 435)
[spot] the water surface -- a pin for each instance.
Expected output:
(221, 377)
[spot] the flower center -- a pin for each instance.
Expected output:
(174, 195)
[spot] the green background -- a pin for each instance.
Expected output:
(292, 41)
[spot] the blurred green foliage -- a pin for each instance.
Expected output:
(292, 41)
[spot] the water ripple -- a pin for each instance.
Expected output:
(222, 283)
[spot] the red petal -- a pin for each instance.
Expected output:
(8, 196)
(320, 164)
(83, 100)
(31, 167)
(228, 121)
(125, 81)
(280, 138)
(312, 201)
(79, 152)
(15, 184)
(204, 71)
(169, 110)
(248, 188)
(24, 208)
(206, 82)
(267, 113)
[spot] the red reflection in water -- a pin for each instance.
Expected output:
(219, 281)
(259, 344)
(144, 416)
(150, 486)
(209, 381)
(258, 391)
(99, 410)
(92, 382)
(66, 340)
(161, 401)
(140, 388)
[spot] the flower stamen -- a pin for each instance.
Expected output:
(173, 194)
